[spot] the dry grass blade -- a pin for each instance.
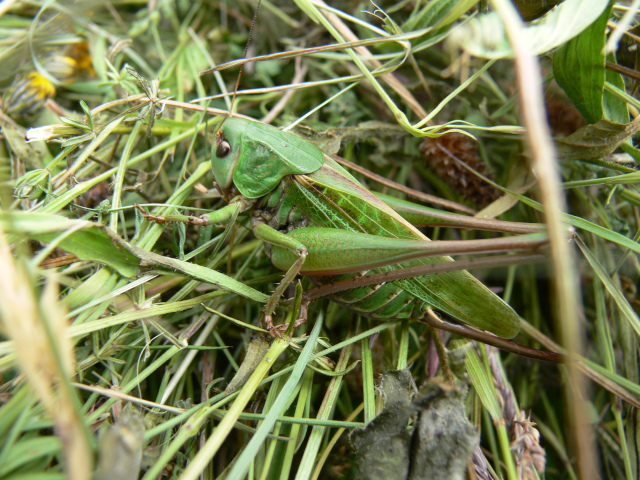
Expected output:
(543, 153)
(45, 355)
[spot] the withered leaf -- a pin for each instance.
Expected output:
(596, 141)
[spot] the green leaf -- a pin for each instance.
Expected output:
(82, 238)
(615, 109)
(87, 112)
(579, 68)
(74, 123)
(613, 290)
(32, 183)
(94, 242)
(438, 12)
(153, 263)
(484, 36)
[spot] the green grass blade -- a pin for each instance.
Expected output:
(251, 450)
(615, 293)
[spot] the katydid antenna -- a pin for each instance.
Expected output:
(244, 55)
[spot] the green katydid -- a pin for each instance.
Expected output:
(318, 220)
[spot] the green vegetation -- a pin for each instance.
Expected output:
(132, 348)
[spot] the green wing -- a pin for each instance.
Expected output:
(330, 199)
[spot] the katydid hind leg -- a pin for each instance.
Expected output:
(434, 321)
(419, 215)
(431, 318)
(418, 271)
(334, 251)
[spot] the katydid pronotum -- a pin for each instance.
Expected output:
(317, 220)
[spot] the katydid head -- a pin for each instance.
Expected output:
(255, 157)
(225, 151)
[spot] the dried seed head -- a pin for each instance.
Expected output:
(438, 153)
(480, 464)
(502, 387)
(526, 447)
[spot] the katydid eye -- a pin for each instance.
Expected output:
(223, 149)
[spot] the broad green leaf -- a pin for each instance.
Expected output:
(596, 141)
(82, 238)
(615, 109)
(484, 36)
(579, 68)
(152, 262)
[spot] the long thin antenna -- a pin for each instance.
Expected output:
(246, 49)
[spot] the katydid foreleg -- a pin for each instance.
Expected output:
(275, 238)
(263, 232)
(218, 217)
